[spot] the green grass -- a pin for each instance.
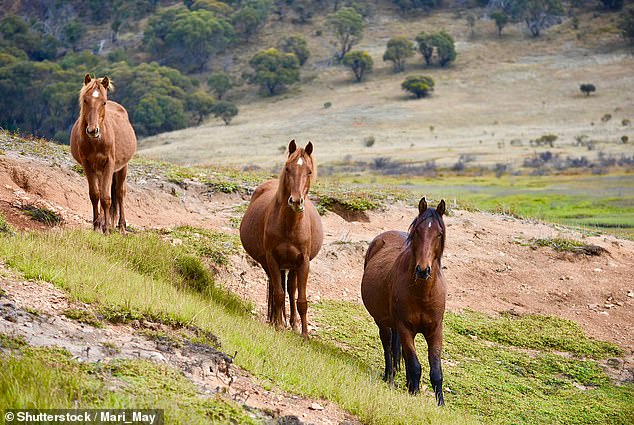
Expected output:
(43, 215)
(504, 370)
(593, 203)
(49, 378)
(83, 316)
(490, 371)
(117, 272)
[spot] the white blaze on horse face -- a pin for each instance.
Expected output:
(300, 162)
(95, 93)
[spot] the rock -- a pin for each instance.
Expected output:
(316, 406)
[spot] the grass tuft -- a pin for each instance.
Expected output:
(83, 316)
(43, 215)
(568, 245)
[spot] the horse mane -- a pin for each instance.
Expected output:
(429, 213)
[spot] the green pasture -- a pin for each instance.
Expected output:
(144, 277)
(506, 370)
(601, 203)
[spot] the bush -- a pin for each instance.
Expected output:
(418, 85)
(587, 89)
(220, 83)
(360, 62)
(626, 24)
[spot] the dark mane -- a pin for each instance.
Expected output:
(430, 213)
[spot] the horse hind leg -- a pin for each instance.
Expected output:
(121, 192)
(387, 340)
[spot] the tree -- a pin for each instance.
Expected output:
(200, 104)
(425, 46)
(347, 26)
(250, 18)
(418, 85)
(538, 14)
(15, 32)
(224, 110)
(185, 39)
(274, 70)
(445, 48)
(626, 24)
(441, 42)
(501, 19)
(72, 32)
(587, 89)
(295, 44)
(221, 83)
(360, 62)
(398, 50)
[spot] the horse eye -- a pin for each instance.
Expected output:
(104, 104)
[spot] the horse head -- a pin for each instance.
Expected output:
(427, 239)
(93, 98)
(297, 175)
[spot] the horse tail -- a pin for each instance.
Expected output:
(113, 199)
(396, 350)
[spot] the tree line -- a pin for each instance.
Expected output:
(166, 84)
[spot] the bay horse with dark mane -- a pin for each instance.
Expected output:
(281, 230)
(103, 141)
(404, 290)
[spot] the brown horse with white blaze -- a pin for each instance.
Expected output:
(404, 290)
(103, 142)
(282, 231)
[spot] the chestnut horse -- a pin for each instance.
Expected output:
(103, 141)
(281, 230)
(404, 290)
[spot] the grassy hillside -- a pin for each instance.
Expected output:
(532, 369)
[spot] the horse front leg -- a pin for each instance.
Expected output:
(302, 302)
(93, 193)
(434, 350)
(276, 291)
(412, 365)
(105, 187)
(291, 288)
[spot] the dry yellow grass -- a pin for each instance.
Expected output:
(500, 89)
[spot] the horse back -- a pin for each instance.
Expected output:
(253, 221)
(376, 284)
(124, 137)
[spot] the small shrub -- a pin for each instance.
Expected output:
(83, 316)
(418, 85)
(43, 215)
(624, 139)
(625, 122)
(606, 117)
(587, 89)
(327, 105)
(369, 141)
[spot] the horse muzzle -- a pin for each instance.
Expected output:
(93, 134)
(296, 205)
(422, 273)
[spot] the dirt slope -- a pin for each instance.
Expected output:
(490, 266)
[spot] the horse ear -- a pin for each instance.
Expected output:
(440, 209)
(87, 79)
(292, 147)
(309, 148)
(105, 82)
(422, 205)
